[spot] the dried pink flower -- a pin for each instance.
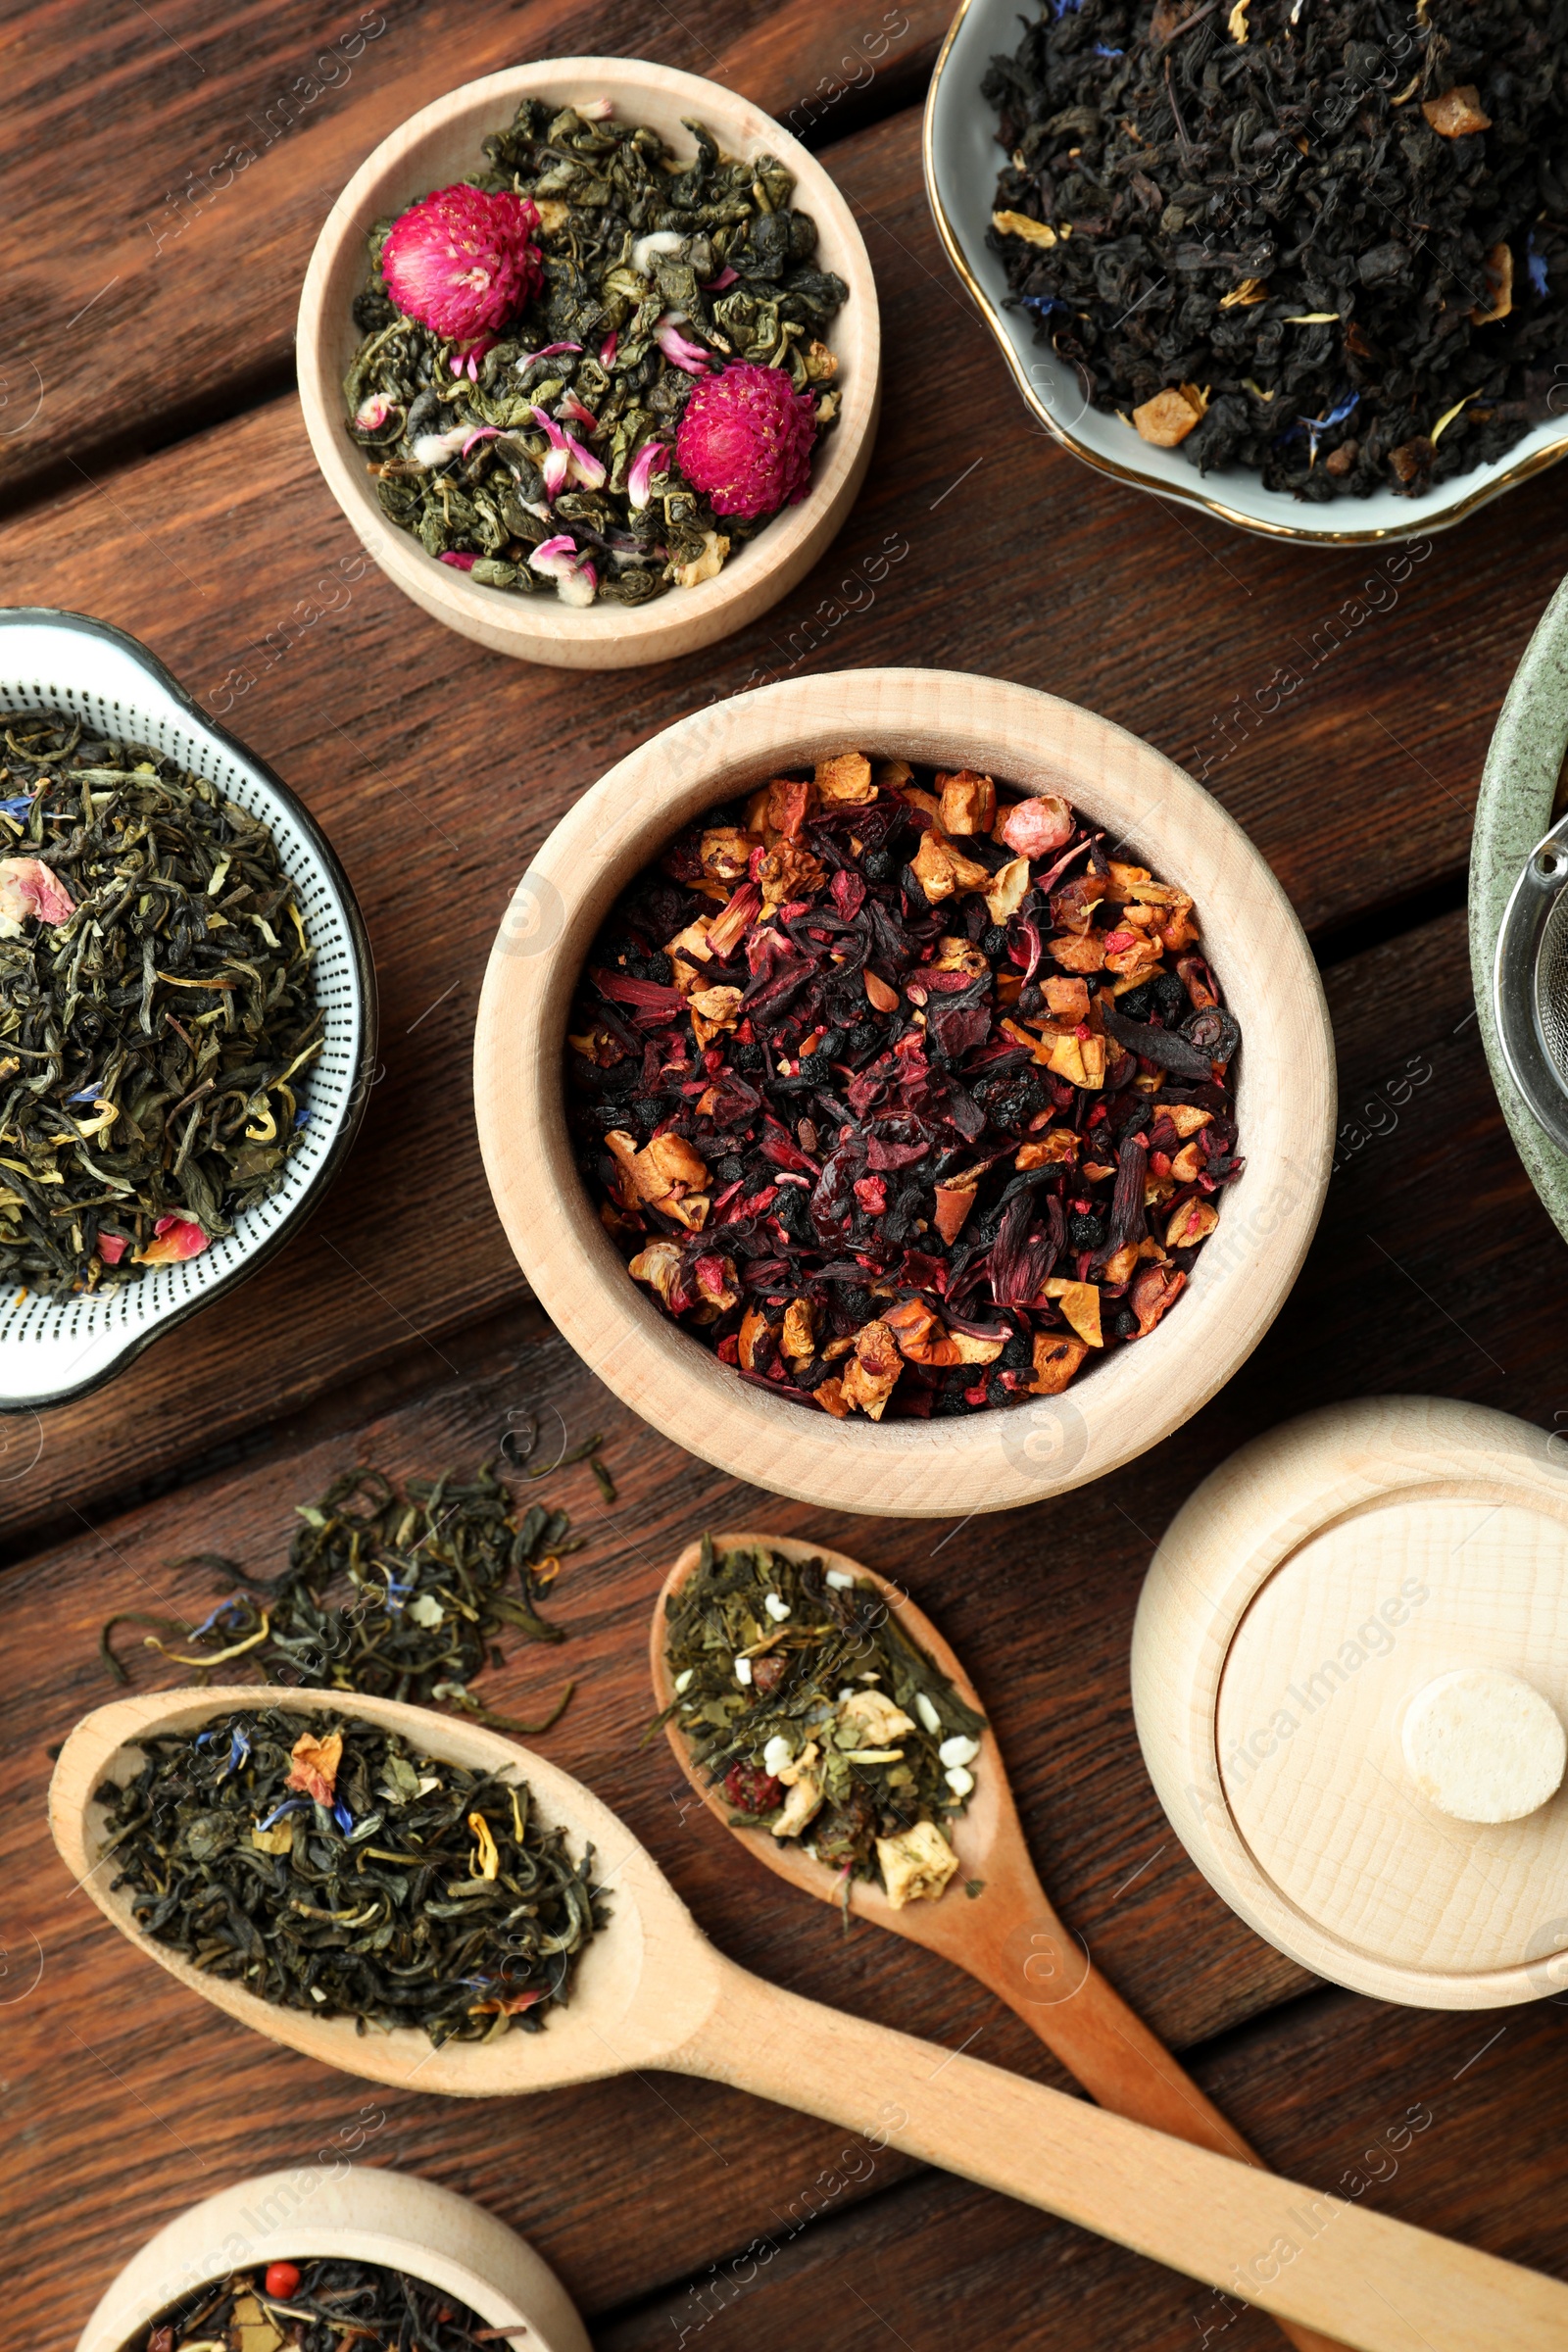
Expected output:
(30, 887)
(458, 560)
(176, 1238)
(745, 440)
(648, 461)
(462, 262)
(694, 357)
(559, 559)
(565, 460)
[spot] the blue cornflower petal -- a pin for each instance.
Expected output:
(1101, 51)
(1535, 264)
(302, 1118)
(240, 1751)
(18, 808)
(208, 1622)
(88, 1093)
(343, 1817)
(290, 1804)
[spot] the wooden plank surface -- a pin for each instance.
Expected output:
(1338, 706)
(437, 768)
(155, 279)
(1038, 1604)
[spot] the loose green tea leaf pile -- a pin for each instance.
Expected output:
(421, 1576)
(322, 2307)
(1323, 240)
(799, 1692)
(157, 1011)
(904, 1095)
(326, 1865)
(521, 413)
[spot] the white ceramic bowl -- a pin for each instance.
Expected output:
(962, 160)
(908, 1468)
(52, 1349)
(359, 2214)
(441, 144)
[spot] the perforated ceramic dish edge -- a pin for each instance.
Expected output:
(54, 1349)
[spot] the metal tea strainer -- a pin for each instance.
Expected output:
(1530, 982)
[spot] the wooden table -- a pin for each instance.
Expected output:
(165, 176)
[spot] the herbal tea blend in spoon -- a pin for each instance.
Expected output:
(917, 1833)
(157, 1012)
(651, 1991)
(337, 1868)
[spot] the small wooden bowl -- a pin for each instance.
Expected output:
(441, 144)
(991, 1461)
(359, 2213)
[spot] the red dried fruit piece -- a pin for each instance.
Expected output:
(751, 1790)
(280, 2280)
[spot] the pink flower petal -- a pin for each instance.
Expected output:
(548, 554)
(30, 887)
(717, 285)
(693, 358)
(648, 461)
(112, 1247)
(174, 1240)
(606, 349)
(574, 407)
(549, 353)
(458, 560)
(485, 432)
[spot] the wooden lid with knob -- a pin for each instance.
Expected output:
(1350, 1680)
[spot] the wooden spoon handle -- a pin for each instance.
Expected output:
(1107, 2047)
(1367, 2281)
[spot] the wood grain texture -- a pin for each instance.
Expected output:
(994, 1920)
(1338, 709)
(440, 144)
(156, 280)
(1405, 1537)
(652, 1992)
(227, 555)
(1284, 1094)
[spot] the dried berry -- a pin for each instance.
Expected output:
(894, 1146)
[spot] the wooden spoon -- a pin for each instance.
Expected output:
(1007, 1934)
(651, 1991)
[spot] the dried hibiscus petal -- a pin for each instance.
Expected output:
(877, 1105)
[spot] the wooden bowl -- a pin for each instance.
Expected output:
(989, 1460)
(441, 144)
(353, 2212)
(1305, 1605)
